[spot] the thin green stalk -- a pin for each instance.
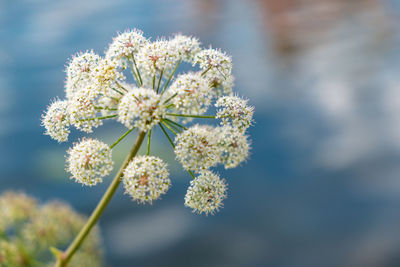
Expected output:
(170, 76)
(166, 134)
(118, 91)
(100, 118)
(137, 70)
(191, 116)
(135, 77)
(120, 86)
(169, 127)
(191, 174)
(176, 129)
(159, 80)
(122, 137)
(106, 108)
(173, 146)
(175, 123)
(169, 99)
(65, 257)
(148, 143)
(169, 106)
(204, 72)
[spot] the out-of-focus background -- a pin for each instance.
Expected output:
(322, 186)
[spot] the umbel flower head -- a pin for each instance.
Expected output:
(234, 111)
(206, 193)
(56, 121)
(140, 107)
(197, 148)
(89, 160)
(159, 95)
(146, 178)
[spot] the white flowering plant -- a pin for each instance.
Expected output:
(97, 89)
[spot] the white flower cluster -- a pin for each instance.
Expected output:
(146, 178)
(79, 72)
(125, 46)
(234, 111)
(197, 148)
(140, 107)
(56, 121)
(192, 94)
(89, 161)
(217, 68)
(206, 193)
(96, 89)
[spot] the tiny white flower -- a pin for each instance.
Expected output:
(192, 94)
(234, 145)
(140, 107)
(125, 46)
(234, 111)
(89, 161)
(79, 71)
(146, 178)
(56, 121)
(197, 148)
(206, 193)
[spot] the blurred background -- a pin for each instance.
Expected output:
(322, 186)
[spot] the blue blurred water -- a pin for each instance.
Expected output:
(322, 186)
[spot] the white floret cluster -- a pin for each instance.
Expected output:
(217, 68)
(89, 160)
(141, 108)
(197, 148)
(56, 121)
(125, 46)
(206, 193)
(192, 93)
(234, 111)
(158, 94)
(146, 178)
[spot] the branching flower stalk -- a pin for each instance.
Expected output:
(97, 90)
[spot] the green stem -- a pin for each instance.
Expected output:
(118, 91)
(204, 72)
(169, 99)
(175, 123)
(166, 134)
(106, 108)
(120, 86)
(135, 77)
(170, 76)
(137, 71)
(173, 146)
(100, 118)
(94, 217)
(166, 125)
(191, 116)
(191, 174)
(159, 80)
(176, 129)
(148, 143)
(122, 137)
